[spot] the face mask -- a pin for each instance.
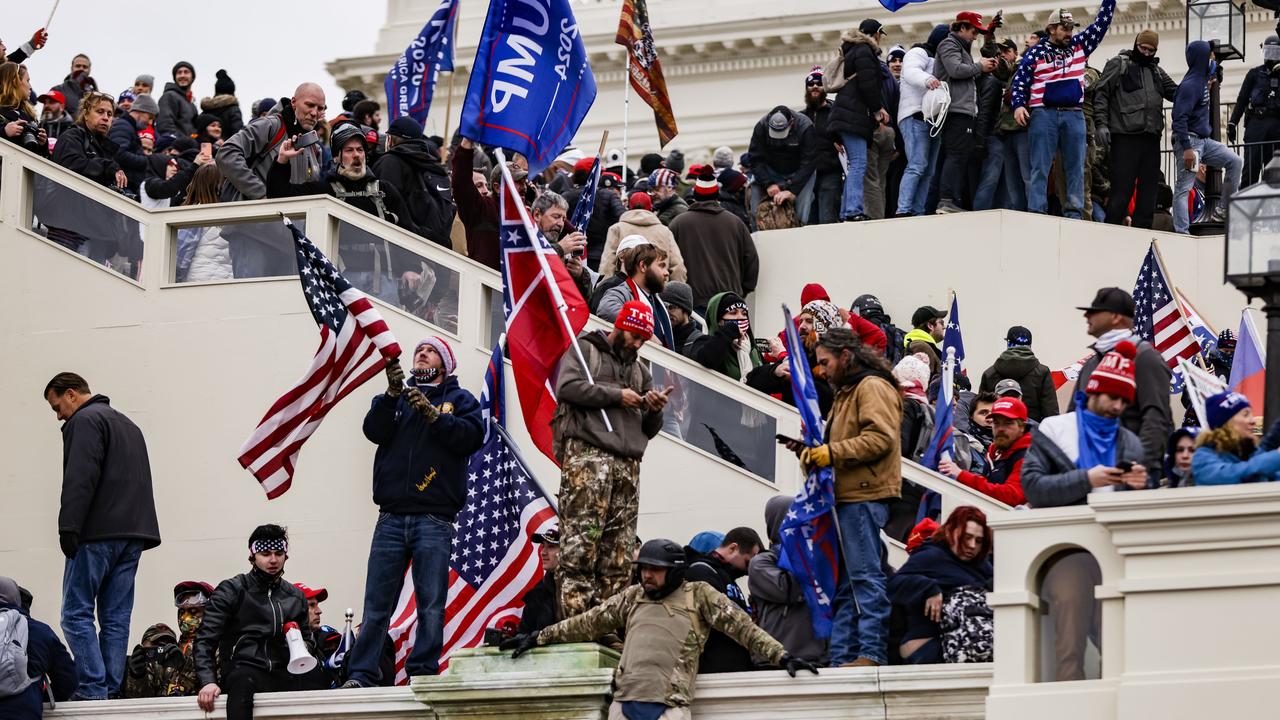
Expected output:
(426, 375)
(189, 621)
(744, 326)
(1271, 53)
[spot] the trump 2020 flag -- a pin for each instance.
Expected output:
(1249, 366)
(411, 82)
(355, 345)
(810, 546)
(952, 337)
(531, 85)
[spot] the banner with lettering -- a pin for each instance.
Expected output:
(411, 82)
(531, 85)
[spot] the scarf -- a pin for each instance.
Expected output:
(1097, 439)
(1108, 340)
(661, 320)
(1131, 81)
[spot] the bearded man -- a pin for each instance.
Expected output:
(647, 275)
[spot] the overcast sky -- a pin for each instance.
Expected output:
(266, 46)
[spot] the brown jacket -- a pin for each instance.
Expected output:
(863, 433)
(646, 224)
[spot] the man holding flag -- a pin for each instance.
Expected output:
(425, 431)
(863, 447)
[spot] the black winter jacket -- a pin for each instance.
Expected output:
(413, 168)
(124, 133)
(421, 467)
(857, 103)
(244, 623)
(106, 477)
(788, 162)
(87, 154)
(828, 158)
(10, 114)
(1020, 363)
(177, 113)
(227, 109)
(721, 653)
(541, 606)
(990, 92)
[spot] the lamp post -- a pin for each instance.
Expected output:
(1252, 264)
(1221, 24)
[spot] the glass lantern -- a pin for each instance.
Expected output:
(1252, 253)
(1217, 20)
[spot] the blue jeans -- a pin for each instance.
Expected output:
(855, 147)
(1051, 131)
(427, 541)
(100, 575)
(861, 605)
(1017, 170)
(1212, 154)
(829, 193)
(922, 155)
(989, 182)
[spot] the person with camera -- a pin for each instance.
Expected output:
(163, 665)
(247, 156)
(669, 619)
(240, 647)
(16, 112)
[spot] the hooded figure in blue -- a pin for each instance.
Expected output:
(1191, 137)
(426, 431)
(1227, 454)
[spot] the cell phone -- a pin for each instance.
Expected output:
(206, 148)
(783, 439)
(1124, 465)
(306, 140)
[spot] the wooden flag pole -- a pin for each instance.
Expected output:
(604, 140)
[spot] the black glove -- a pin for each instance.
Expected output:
(520, 644)
(224, 85)
(70, 543)
(395, 378)
(792, 664)
(1231, 133)
(138, 662)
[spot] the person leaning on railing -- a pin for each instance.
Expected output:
(85, 149)
(18, 115)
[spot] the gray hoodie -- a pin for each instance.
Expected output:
(776, 595)
(954, 65)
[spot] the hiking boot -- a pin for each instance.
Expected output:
(948, 206)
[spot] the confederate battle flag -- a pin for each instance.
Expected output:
(636, 36)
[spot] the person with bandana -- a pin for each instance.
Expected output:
(163, 664)
(426, 430)
(667, 621)
(240, 647)
(1072, 455)
(1148, 413)
(599, 460)
(731, 347)
(817, 317)
(1260, 98)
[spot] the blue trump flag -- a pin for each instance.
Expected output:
(587, 200)
(412, 80)
(810, 546)
(941, 444)
(952, 337)
(896, 5)
(531, 85)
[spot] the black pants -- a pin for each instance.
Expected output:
(957, 145)
(1134, 159)
(1259, 129)
(243, 682)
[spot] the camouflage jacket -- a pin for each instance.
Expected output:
(160, 672)
(644, 677)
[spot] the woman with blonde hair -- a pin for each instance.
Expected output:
(16, 112)
(203, 253)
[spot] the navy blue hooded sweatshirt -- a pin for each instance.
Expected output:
(46, 655)
(1191, 103)
(421, 467)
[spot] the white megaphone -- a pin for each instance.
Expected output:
(300, 661)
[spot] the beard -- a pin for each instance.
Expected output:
(652, 283)
(621, 350)
(813, 103)
(354, 171)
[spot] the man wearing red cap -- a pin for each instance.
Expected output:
(956, 67)
(54, 118)
(1072, 455)
(1011, 440)
(600, 464)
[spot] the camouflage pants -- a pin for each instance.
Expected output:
(599, 502)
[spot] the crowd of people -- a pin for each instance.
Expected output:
(666, 256)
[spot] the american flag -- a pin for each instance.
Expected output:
(587, 200)
(1158, 318)
(355, 345)
(953, 338)
(494, 561)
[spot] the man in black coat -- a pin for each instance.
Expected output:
(542, 603)
(124, 133)
(244, 630)
(106, 520)
(412, 166)
(177, 109)
(784, 154)
(829, 174)
(721, 569)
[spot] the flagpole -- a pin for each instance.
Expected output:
(561, 306)
(1164, 270)
(626, 117)
(448, 109)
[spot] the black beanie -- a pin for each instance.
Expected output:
(224, 85)
(183, 64)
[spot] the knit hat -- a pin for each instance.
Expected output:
(148, 80)
(706, 187)
(732, 180)
(1222, 407)
(636, 318)
(351, 98)
(146, 104)
(203, 121)
(813, 291)
(913, 370)
(442, 347)
(183, 64)
(1114, 375)
(722, 158)
(223, 85)
(650, 162)
(662, 177)
(126, 95)
(405, 127)
(675, 160)
(678, 294)
(814, 77)
(825, 315)
(639, 201)
(1148, 37)
(896, 51)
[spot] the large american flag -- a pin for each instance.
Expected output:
(1158, 318)
(355, 345)
(494, 561)
(587, 200)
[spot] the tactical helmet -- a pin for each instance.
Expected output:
(661, 553)
(867, 304)
(342, 134)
